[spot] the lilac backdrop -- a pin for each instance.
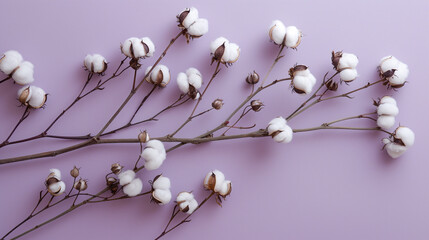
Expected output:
(323, 185)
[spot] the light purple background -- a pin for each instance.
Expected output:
(323, 185)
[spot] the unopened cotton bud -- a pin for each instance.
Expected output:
(256, 105)
(161, 196)
(23, 74)
(187, 17)
(113, 184)
(217, 104)
(126, 177)
(160, 75)
(331, 85)
(10, 61)
(348, 75)
(81, 185)
(252, 78)
(143, 137)
(198, 28)
(154, 154)
(133, 188)
(95, 63)
(214, 180)
(116, 168)
(110, 181)
(74, 172)
(186, 202)
(161, 182)
(138, 48)
(57, 188)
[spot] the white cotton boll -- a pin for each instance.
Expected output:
(160, 75)
(154, 154)
(191, 17)
(277, 32)
(162, 196)
(126, 177)
(24, 98)
(225, 188)
(134, 188)
(198, 28)
(194, 77)
(162, 183)
(10, 61)
(388, 63)
(395, 150)
(56, 173)
(57, 188)
(38, 97)
(348, 75)
(217, 43)
(285, 135)
(406, 135)
(219, 178)
(23, 75)
(150, 46)
(99, 63)
(312, 79)
(293, 36)
(231, 54)
(87, 62)
(388, 99)
(276, 124)
(347, 60)
(182, 82)
(184, 196)
(386, 122)
(303, 84)
(387, 109)
(127, 46)
(400, 75)
(193, 205)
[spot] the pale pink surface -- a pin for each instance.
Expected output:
(323, 185)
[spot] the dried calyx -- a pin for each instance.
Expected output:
(252, 78)
(256, 105)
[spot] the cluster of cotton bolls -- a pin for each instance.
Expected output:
(136, 48)
(161, 193)
(54, 184)
(132, 186)
(186, 202)
(95, 63)
(159, 76)
(195, 27)
(400, 141)
(393, 71)
(387, 111)
(20, 71)
(224, 51)
(286, 36)
(279, 130)
(215, 181)
(302, 79)
(154, 154)
(345, 64)
(190, 82)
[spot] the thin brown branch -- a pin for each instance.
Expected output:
(23, 117)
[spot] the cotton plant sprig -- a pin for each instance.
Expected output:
(215, 183)
(153, 151)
